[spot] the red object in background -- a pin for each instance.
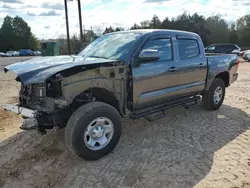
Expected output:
(242, 53)
(238, 63)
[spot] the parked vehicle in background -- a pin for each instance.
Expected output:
(17, 53)
(223, 49)
(12, 53)
(246, 55)
(243, 52)
(26, 52)
(3, 54)
(138, 73)
(37, 53)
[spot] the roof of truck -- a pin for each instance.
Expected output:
(166, 31)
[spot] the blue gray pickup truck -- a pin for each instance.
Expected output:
(134, 74)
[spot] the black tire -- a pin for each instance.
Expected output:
(208, 97)
(79, 121)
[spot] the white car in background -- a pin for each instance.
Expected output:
(16, 53)
(2, 54)
(37, 53)
(12, 53)
(246, 55)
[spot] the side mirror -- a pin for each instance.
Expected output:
(149, 55)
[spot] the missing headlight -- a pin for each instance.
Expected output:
(54, 89)
(39, 90)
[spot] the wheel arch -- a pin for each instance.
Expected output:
(224, 76)
(102, 95)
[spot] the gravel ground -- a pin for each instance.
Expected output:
(188, 148)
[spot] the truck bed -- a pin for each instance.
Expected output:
(219, 63)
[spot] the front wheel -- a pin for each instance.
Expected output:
(214, 97)
(93, 130)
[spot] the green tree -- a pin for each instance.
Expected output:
(111, 29)
(186, 22)
(108, 30)
(219, 31)
(135, 26)
(166, 24)
(155, 22)
(145, 24)
(34, 43)
(233, 37)
(243, 30)
(15, 34)
(119, 29)
(7, 34)
(197, 23)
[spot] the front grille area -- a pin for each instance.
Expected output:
(30, 97)
(39, 91)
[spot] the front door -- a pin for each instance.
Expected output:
(154, 81)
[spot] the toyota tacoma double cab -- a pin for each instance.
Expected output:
(138, 73)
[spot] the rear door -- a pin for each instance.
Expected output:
(154, 82)
(192, 66)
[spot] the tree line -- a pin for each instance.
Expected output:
(212, 30)
(15, 34)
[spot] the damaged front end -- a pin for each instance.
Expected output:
(50, 93)
(40, 106)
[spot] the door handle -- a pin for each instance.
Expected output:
(172, 69)
(200, 65)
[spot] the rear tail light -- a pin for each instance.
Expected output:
(238, 63)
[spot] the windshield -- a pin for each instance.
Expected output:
(112, 46)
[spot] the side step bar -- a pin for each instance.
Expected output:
(185, 102)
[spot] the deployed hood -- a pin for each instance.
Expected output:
(37, 70)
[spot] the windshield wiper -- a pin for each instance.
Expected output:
(95, 56)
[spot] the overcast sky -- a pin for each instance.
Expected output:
(47, 19)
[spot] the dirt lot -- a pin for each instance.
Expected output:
(188, 148)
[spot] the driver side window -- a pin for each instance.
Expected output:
(164, 47)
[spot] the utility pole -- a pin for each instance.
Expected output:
(67, 24)
(91, 34)
(80, 19)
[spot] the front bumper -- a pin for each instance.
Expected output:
(25, 112)
(35, 119)
(29, 122)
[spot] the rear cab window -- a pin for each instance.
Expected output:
(188, 48)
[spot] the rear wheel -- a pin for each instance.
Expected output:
(93, 130)
(214, 97)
